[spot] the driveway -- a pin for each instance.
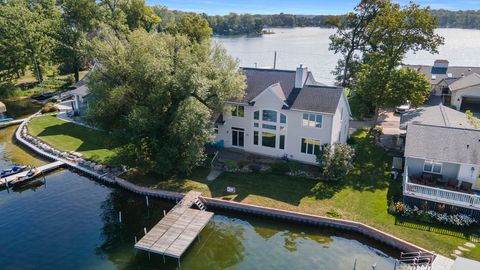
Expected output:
(390, 123)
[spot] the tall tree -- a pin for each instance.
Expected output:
(193, 26)
(157, 92)
(79, 18)
(353, 36)
(30, 26)
(395, 32)
(125, 15)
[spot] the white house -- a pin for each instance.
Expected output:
(442, 167)
(285, 114)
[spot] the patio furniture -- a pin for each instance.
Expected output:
(430, 180)
(466, 187)
(452, 184)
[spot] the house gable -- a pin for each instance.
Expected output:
(272, 96)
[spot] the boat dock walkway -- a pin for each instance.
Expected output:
(43, 169)
(11, 123)
(177, 230)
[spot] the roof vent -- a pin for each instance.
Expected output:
(463, 74)
(449, 75)
(469, 69)
(434, 77)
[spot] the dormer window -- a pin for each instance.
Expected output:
(238, 111)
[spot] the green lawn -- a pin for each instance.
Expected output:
(363, 196)
(67, 136)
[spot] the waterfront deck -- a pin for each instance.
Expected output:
(43, 169)
(177, 230)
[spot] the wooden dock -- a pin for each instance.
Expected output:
(45, 168)
(177, 230)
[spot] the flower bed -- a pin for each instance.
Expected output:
(430, 216)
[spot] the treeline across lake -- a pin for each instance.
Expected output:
(238, 24)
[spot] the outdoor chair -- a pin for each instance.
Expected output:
(466, 187)
(452, 184)
(430, 180)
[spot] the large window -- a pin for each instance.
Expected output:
(310, 146)
(312, 120)
(267, 132)
(432, 167)
(238, 111)
(269, 115)
(268, 139)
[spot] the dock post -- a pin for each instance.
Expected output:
(179, 265)
(44, 179)
(355, 264)
(146, 198)
(145, 230)
(135, 239)
(149, 256)
(164, 213)
(120, 216)
(163, 258)
(6, 184)
(374, 266)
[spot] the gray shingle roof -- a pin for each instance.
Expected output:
(465, 82)
(447, 144)
(437, 115)
(312, 97)
(456, 72)
(317, 99)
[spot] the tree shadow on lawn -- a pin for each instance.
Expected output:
(282, 188)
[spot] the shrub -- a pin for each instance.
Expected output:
(351, 140)
(49, 107)
(294, 166)
(254, 167)
(243, 163)
(429, 216)
(335, 161)
(231, 165)
(280, 167)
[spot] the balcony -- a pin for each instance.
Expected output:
(439, 194)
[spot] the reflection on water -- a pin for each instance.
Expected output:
(72, 223)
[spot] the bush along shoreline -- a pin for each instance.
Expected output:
(429, 216)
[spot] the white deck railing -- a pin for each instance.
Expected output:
(439, 194)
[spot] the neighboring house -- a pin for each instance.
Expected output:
(442, 167)
(455, 84)
(285, 114)
(465, 93)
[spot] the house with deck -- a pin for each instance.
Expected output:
(284, 114)
(442, 168)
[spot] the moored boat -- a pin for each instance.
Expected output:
(21, 180)
(12, 170)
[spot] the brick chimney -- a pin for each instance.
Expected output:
(300, 76)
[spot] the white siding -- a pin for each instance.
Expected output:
(294, 130)
(473, 91)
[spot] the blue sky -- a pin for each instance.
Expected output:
(215, 7)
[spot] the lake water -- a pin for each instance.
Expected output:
(309, 46)
(71, 222)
